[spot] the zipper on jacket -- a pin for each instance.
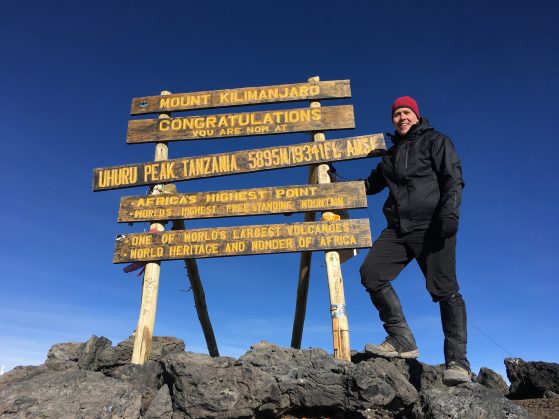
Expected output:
(407, 152)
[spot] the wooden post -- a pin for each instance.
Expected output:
(150, 287)
(340, 326)
(199, 298)
(142, 342)
(304, 265)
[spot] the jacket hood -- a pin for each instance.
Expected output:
(415, 130)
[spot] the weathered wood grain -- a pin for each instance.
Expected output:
(242, 202)
(246, 161)
(334, 89)
(240, 124)
(150, 283)
(242, 240)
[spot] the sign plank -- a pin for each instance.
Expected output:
(242, 240)
(213, 165)
(335, 89)
(240, 124)
(243, 202)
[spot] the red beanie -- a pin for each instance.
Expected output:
(406, 102)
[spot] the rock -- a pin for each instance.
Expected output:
(115, 356)
(88, 358)
(161, 407)
(97, 354)
(380, 384)
(421, 376)
(490, 379)
(467, 401)
(20, 373)
(95, 379)
(548, 394)
(315, 382)
(70, 351)
(55, 394)
(308, 378)
(149, 375)
(275, 381)
(216, 387)
(120, 355)
(531, 379)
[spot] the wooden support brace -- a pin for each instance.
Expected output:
(199, 298)
(304, 268)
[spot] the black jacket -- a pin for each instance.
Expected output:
(424, 175)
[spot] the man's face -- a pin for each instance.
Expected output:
(403, 119)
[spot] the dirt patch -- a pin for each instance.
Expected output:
(540, 408)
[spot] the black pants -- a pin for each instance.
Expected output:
(392, 251)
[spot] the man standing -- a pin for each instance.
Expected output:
(424, 175)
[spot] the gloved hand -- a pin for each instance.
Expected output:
(332, 173)
(448, 227)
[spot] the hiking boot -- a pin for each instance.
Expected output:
(454, 321)
(455, 374)
(388, 350)
(390, 312)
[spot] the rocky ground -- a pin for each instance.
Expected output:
(95, 380)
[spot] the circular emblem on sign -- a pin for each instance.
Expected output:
(143, 104)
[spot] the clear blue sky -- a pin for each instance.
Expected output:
(485, 73)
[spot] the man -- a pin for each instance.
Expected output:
(424, 176)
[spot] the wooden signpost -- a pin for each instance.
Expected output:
(243, 202)
(239, 124)
(242, 240)
(337, 89)
(165, 204)
(213, 165)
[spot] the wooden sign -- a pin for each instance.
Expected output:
(242, 240)
(336, 89)
(222, 164)
(240, 124)
(243, 202)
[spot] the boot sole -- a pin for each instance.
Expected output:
(454, 381)
(394, 354)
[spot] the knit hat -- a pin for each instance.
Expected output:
(406, 102)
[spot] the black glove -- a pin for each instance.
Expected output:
(448, 227)
(332, 173)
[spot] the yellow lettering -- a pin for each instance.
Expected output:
(164, 125)
(252, 95)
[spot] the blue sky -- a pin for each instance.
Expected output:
(485, 73)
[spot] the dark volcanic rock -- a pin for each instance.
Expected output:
(77, 393)
(490, 379)
(316, 382)
(217, 387)
(87, 360)
(97, 354)
(96, 380)
(162, 405)
(531, 379)
(66, 351)
(91, 379)
(277, 381)
(148, 375)
(468, 401)
(421, 376)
